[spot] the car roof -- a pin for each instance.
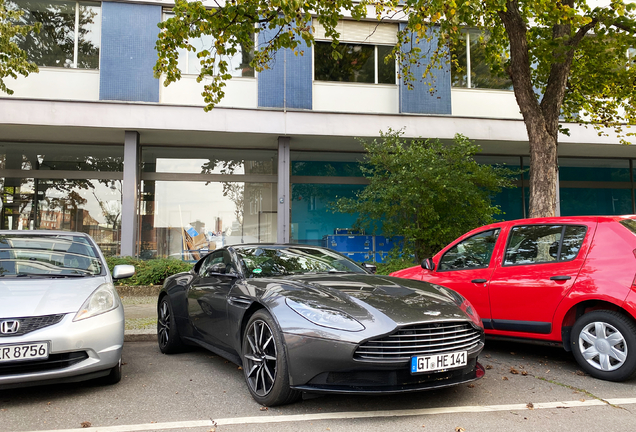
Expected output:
(42, 232)
(558, 220)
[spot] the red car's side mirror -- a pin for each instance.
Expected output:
(428, 264)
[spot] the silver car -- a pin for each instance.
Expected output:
(61, 319)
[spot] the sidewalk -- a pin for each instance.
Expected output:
(141, 316)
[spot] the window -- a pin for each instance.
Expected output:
(471, 69)
(70, 34)
(361, 63)
(238, 64)
(536, 244)
(473, 252)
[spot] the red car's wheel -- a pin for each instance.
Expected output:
(604, 344)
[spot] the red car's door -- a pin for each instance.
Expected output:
(466, 267)
(539, 266)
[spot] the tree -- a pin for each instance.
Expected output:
(13, 60)
(564, 58)
(426, 191)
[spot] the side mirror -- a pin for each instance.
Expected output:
(123, 271)
(217, 268)
(371, 268)
(428, 264)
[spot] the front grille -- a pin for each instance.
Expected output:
(420, 339)
(29, 324)
(54, 362)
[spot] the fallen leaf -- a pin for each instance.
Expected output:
(547, 371)
(580, 373)
(524, 373)
(513, 371)
(530, 405)
(48, 403)
(264, 408)
(124, 363)
(487, 355)
(582, 400)
(86, 424)
(240, 368)
(460, 429)
(488, 367)
(176, 392)
(512, 353)
(504, 378)
(212, 430)
(471, 385)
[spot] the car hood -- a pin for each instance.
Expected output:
(23, 297)
(370, 298)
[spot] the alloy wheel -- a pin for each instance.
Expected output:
(163, 324)
(603, 346)
(260, 353)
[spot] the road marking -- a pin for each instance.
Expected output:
(347, 415)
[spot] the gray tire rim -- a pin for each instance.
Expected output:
(603, 346)
(164, 324)
(260, 357)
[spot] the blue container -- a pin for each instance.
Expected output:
(347, 231)
(386, 244)
(350, 243)
(380, 256)
(359, 256)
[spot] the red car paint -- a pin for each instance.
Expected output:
(522, 300)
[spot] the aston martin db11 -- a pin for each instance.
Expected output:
(300, 319)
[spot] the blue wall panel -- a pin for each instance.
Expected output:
(420, 100)
(286, 69)
(129, 33)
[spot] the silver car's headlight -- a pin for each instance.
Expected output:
(102, 300)
(325, 317)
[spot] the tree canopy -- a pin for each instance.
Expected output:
(426, 191)
(13, 60)
(567, 59)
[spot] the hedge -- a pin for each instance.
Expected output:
(149, 272)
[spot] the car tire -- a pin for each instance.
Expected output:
(114, 376)
(604, 345)
(265, 362)
(167, 332)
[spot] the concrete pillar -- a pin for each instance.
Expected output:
(130, 198)
(284, 191)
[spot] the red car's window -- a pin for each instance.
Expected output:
(535, 244)
(630, 224)
(470, 253)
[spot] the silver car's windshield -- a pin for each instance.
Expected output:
(268, 261)
(47, 256)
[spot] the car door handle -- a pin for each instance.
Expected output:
(479, 280)
(561, 278)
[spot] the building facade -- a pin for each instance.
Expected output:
(95, 143)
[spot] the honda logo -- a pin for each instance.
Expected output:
(9, 327)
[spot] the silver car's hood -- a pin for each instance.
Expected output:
(23, 297)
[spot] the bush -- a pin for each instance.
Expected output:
(394, 264)
(148, 272)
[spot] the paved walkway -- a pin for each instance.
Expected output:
(136, 309)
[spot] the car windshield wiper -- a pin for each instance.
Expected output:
(49, 276)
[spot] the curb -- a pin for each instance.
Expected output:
(146, 335)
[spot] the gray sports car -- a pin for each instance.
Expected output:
(300, 318)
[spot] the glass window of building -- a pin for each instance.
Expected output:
(238, 62)
(70, 36)
(469, 67)
(58, 187)
(361, 63)
(194, 200)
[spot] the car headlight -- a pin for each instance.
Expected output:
(325, 317)
(102, 300)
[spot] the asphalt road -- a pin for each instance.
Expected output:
(198, 391)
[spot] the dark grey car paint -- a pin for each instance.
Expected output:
(379, 303)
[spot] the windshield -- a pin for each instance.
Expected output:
(47, 256)
(267, 261)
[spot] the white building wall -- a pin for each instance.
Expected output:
(239, 93)
(484, 103)
(57, 83)
(356, 98)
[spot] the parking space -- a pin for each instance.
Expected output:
(528, 387)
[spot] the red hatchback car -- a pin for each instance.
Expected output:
(564, 280)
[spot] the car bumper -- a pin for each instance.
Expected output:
(78, 351)
(327, 366)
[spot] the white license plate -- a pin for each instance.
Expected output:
(31, 351)
(438, 362)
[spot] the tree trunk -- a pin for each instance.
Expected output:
(543, 172)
